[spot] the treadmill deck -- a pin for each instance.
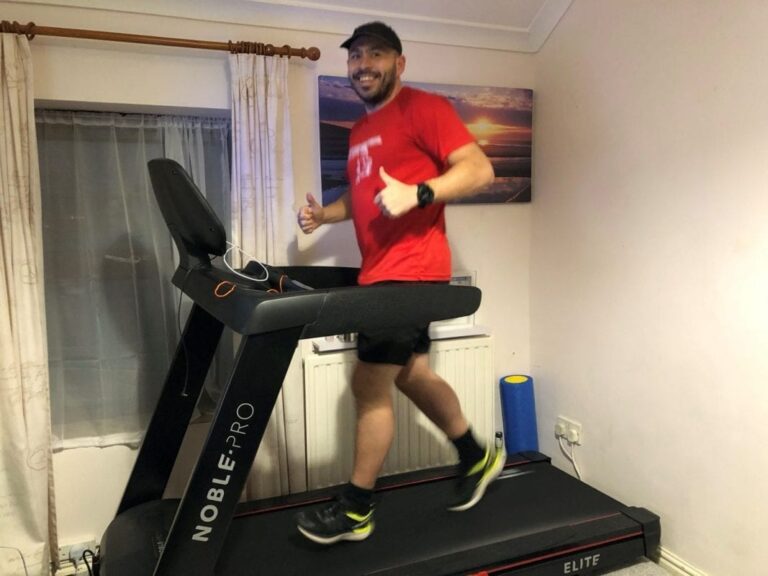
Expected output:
(532, 513)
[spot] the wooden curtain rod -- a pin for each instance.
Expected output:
(31, 30)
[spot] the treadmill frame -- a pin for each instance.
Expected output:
(271, 326)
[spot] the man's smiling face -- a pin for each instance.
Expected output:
(374, 70)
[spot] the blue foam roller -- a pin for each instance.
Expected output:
(518, 408)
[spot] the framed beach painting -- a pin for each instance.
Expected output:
(501, 120)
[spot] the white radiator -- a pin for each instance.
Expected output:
(466, 364)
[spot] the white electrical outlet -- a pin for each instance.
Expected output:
(75, 551)
(569, 429)
(71, 558)
(64, 553)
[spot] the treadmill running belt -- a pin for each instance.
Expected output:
(530, 509)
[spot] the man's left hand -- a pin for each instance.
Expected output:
(396, 198)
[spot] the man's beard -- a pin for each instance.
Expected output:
(386, 87)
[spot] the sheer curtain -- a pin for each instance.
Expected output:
(27, 512)
(263, 225)
(111, 308)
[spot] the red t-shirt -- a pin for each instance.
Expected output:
(411, 137)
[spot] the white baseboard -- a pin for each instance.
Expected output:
(676, 565)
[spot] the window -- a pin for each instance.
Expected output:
(110, 307)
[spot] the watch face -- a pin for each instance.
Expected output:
(425, 195)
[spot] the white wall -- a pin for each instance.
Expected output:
(491, 240)
(649, 263)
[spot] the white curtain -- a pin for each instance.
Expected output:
(27, 513)
(111, 308)
(263, 223)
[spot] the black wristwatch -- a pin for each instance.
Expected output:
(424, 194)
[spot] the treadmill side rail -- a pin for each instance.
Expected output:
(651, 524)
(610, 556)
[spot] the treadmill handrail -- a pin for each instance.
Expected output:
(247, 310)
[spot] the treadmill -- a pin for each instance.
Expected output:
(535, 520)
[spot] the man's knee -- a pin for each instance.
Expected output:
(405, 381)
(416, 371)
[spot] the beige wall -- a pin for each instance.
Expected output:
(493, 241)
(649, 263)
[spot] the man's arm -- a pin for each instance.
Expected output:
(469, 172)
(314, 215)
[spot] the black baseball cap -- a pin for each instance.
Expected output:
(377, 30)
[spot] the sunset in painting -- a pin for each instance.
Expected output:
(483, 129)
(500, 119)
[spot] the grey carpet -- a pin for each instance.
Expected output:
(646, 568)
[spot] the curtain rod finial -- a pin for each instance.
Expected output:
(313, 53)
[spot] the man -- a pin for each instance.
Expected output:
(408, 155)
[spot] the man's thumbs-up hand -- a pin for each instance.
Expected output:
(310, 216)
(396, 198)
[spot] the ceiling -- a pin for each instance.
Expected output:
(511, 25)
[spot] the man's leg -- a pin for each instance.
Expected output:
(372, 389)
(433, 396)
(350, 516)
(478, 466)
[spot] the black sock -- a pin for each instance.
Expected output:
(470, 452)
(360, 499)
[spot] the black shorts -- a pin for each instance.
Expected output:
(393, 345)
